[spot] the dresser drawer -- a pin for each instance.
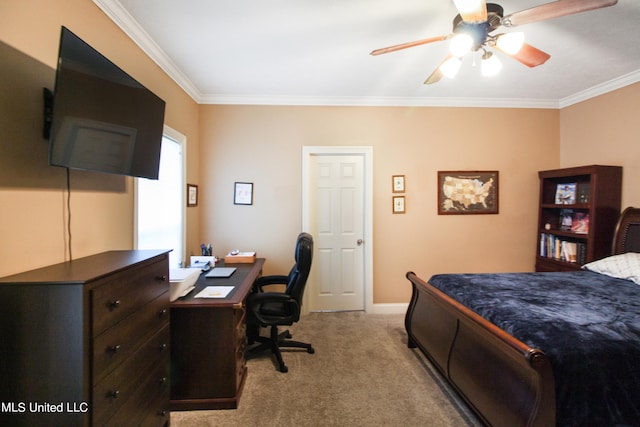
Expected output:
(120, 342)
(153, 387)
(125, 292)
(113, 390)
(158, 412)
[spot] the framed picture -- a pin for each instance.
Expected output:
(398, 204)
(566, 194)
(243, 193)
(397, 183)
(467, 192)
(192, 195)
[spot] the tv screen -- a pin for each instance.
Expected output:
(103, 119)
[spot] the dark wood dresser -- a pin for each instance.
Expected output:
(86, 342)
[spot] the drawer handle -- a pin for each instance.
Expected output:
(162, 413)
(163, 381)
(114, 304)
(114, 348)
(114, 394)
(163, 347)
(163, 312)
(162, 278)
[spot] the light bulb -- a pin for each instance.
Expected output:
(450, 67)
(490, 65)
(510, 42)
(460, 44)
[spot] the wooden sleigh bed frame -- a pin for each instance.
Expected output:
(503, 380)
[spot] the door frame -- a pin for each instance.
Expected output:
(367, 153)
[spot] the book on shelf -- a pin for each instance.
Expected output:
(566, 194)
(584, 188)
(582, 253)
(566, 219)
(552, 246)
(580, 223)
(569, 251)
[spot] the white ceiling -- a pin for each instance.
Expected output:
(316, 52)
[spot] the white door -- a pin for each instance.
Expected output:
(336, 220)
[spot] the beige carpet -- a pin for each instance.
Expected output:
(362, 374)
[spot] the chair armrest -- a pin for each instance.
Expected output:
(264, 297)
(255, 302)
(270, 280)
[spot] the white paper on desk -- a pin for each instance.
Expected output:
(214, 292)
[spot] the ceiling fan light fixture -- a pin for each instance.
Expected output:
(460, 45)
(450, 67)
(490, 65)
(510, 43)
(468, 6)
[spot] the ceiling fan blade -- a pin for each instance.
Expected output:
(437, 73)
(552, 10)
(407, 45)
(528, 55)
(472, 10)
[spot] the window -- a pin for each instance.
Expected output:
(160, 204)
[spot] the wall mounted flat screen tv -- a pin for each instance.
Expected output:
(103, 119)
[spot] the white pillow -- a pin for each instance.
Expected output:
(624, 266)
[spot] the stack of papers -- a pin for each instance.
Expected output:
(181, 282)
(214, 292)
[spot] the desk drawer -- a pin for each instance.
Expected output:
(123, 380)
(118, 343)
(125, 292)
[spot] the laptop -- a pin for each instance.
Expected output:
(220, 272)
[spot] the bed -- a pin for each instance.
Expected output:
(539, 349)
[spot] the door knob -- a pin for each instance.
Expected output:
(360, 242)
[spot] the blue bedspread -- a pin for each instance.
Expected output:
(588, 324)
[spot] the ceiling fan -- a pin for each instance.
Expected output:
(474, 30)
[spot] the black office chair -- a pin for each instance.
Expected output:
(273, 309)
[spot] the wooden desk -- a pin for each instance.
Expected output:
(208, 342)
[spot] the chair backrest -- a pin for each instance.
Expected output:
(300, 272)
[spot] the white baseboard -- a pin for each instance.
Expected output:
(390, 308)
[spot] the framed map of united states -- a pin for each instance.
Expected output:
(467, 192)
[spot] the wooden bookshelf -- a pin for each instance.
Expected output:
(580, 207)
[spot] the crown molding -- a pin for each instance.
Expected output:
(371, 101)
(601, 89)
(123, 19)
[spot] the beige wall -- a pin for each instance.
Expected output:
(32, 194)
(263, 145)
(604, 130)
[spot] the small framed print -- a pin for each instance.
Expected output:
(398, 204)
(397, 183)
(243, 193)
(192, 195)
